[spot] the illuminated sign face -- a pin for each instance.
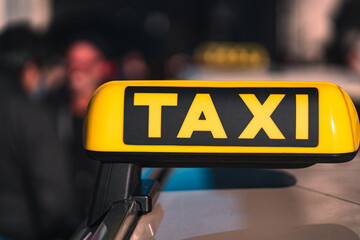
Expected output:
(167, 123)
(221, 116)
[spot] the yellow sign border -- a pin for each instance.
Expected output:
(338, 121)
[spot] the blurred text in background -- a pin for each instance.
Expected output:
(293, 33)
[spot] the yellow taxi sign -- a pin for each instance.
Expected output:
(210, 121)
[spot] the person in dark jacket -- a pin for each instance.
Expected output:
(35, 190)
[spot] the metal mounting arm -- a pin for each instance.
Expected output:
(120, 182)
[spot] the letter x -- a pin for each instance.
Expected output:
(262, 116)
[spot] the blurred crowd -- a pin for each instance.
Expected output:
(45, 176)
(46, 179)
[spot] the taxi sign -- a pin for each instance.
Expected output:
(201, 122)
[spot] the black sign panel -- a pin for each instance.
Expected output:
(235, 110)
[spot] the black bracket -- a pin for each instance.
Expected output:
(118, 182)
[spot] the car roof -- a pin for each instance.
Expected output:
(324, 202)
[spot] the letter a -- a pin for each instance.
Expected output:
(202, 103)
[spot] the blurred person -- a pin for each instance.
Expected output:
(178, 66)
(54, 75)
(35, 189)
(87, 67)
(134, 66)
(352, 52)
(344, 50)
(54, 78)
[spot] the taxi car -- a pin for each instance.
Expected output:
(135, 124)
